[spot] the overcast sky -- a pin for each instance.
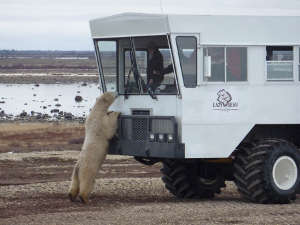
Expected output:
(63, 24)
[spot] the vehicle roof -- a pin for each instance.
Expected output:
(213, 29)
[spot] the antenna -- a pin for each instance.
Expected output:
(161, 7)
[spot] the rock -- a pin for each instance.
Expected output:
(2, 102)
(58, 117)
(84, 84)
(61, 113)
(78, 92)
(37, 85)
(23, 114)
(58, 105)
(68, 116)
(25, 103)
(45, 116)
(54, 110)
(56, 99)
(44, 107)
(78, 98)
(34, 94)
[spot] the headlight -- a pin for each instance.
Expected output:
(161, 137)
(170, 137)
(152, 137)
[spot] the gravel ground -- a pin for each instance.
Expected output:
(34, 185)
(134, 201)
(126, 192)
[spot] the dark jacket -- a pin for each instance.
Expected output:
(155, 63)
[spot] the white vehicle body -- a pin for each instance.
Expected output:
(208, 128)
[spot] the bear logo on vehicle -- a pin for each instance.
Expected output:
(224, 97)
(224, 101)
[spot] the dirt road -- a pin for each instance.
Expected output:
(36, 162)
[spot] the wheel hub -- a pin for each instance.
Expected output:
(285, 172)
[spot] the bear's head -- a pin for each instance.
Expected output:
(100, 121)
(106, 100)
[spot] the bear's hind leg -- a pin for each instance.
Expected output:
(87, 180)
(74, 187)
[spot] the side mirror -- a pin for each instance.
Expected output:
(207, 66)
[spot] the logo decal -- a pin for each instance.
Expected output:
(224, 101)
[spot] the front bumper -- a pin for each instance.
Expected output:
(132, 138)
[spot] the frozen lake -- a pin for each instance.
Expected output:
(46, 97)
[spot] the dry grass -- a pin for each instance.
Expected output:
(40, 136)
(15, 128)
(39, 63)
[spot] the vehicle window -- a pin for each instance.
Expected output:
(108, 58)
(169, 74)
(141, 60)
(227, 64)
(187, 51)
(217, 55)
(236, 64)
(279, 62)
(154, 69)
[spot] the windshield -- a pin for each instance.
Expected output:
(137, 65)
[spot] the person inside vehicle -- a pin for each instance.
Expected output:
(154, 68)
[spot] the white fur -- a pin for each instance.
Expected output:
(100, 127)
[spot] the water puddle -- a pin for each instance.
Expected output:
(15, 98)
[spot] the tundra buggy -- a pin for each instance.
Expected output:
(213, 98)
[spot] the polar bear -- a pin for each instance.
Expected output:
(100, 127)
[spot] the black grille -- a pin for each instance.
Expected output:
(141, 112)
(138, 128)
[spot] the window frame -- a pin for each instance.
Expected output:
(196, 48)
(225, 64)
(99, 62)
(293, 79)
(297, 62)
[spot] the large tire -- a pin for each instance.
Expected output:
(183, 181)
(267, 171)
